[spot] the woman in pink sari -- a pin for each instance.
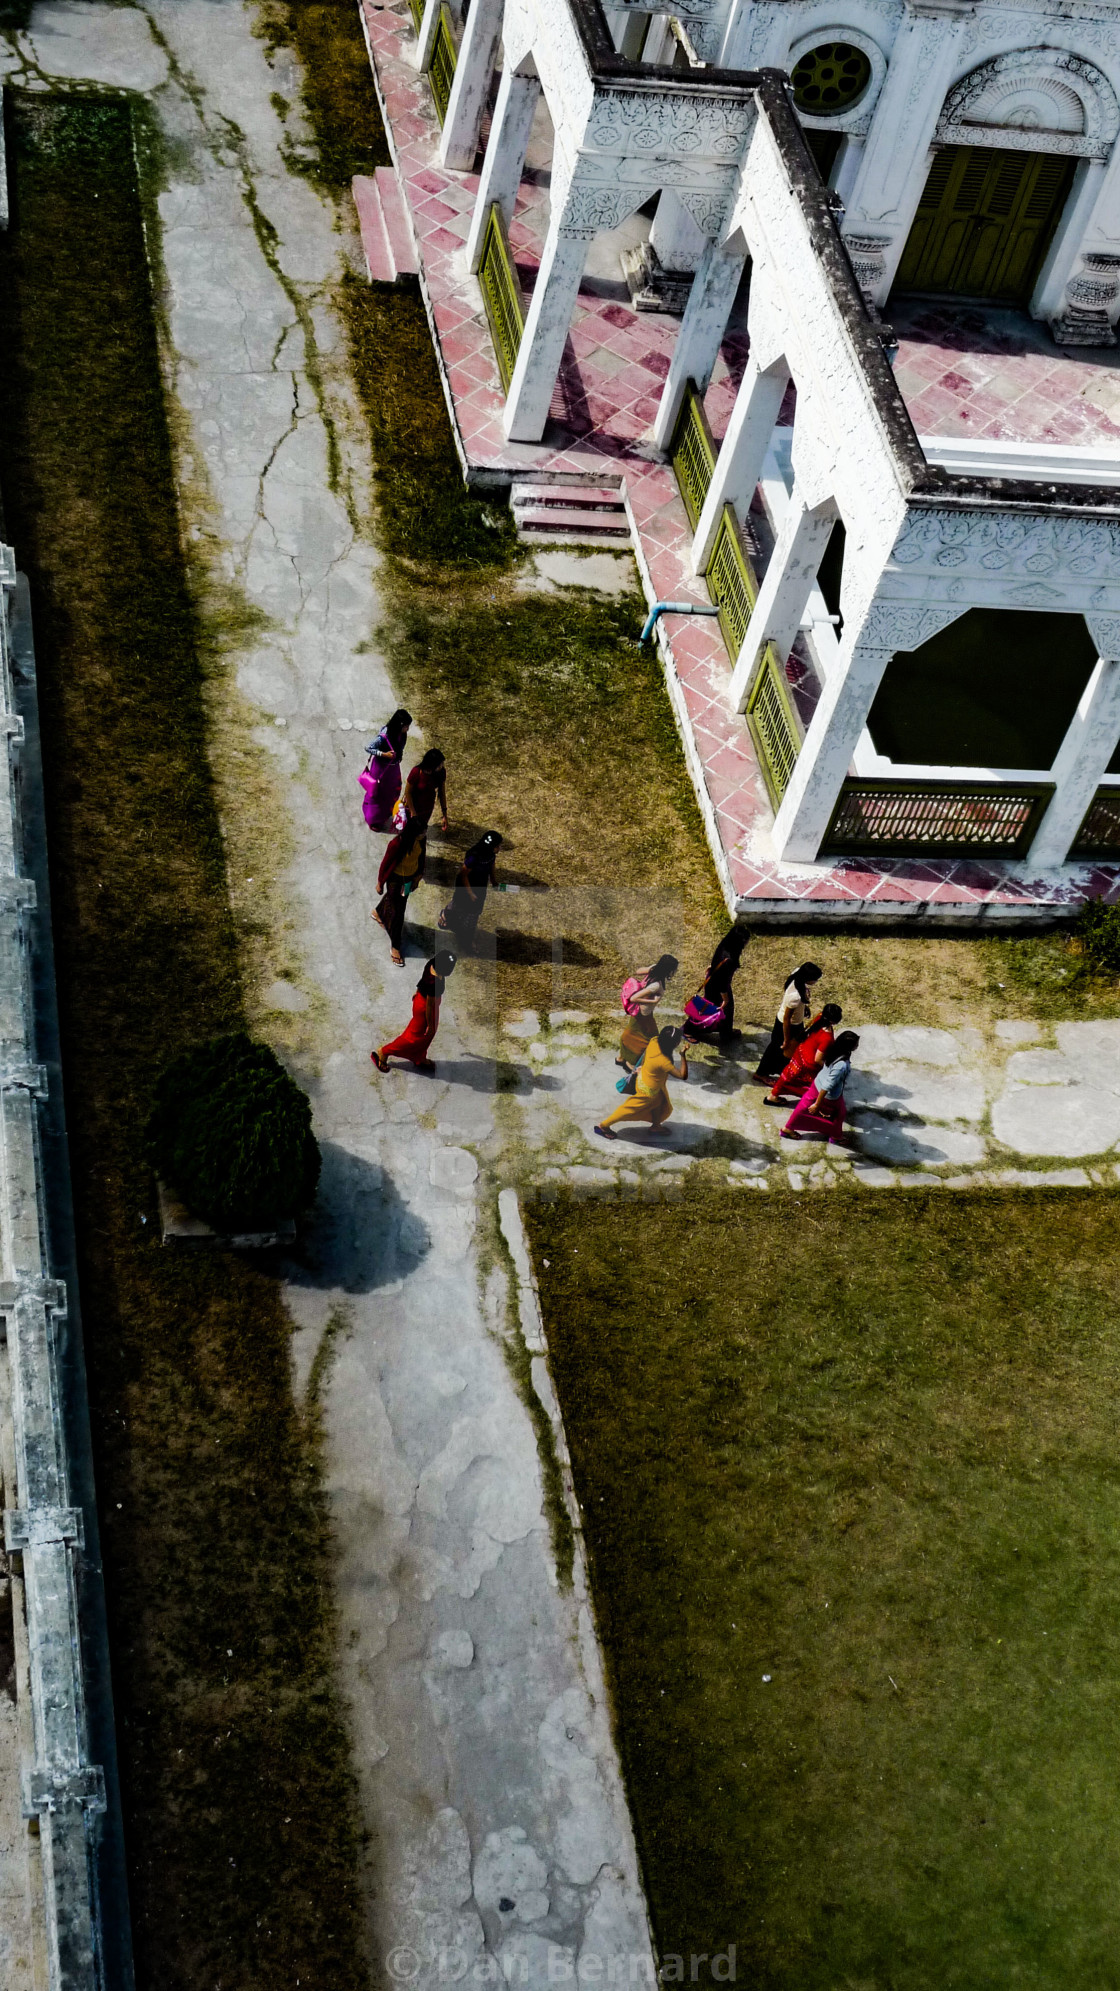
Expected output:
(381, 776)
(819, 1114)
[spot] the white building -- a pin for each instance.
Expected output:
(955, 603)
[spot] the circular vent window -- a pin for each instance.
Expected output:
(830, 78)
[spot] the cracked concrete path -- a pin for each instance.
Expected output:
(500, 1833)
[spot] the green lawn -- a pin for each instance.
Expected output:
(870, 1448)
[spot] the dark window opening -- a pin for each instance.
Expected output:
(825, 148)
(998, 688)
(830, 573)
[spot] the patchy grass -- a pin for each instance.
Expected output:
(867, 1448)
(239, 1804)
(326, 37)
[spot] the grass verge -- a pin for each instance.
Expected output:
(848, 1471)
(239, 1808)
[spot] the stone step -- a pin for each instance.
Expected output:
(595, 498)
(371, 222)
(592, 524)
(394, 215)
(383, 222)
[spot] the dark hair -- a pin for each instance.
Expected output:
(669, 1038)
(831, 1013)
(732, 943)
(413, 830)
(400, 721)
(444, 961)
(663, 969)
(432, 759)
(489, 841)
(843, 1047)
(808, 972)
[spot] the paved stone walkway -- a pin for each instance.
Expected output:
(949, 1107)
(481, 1738)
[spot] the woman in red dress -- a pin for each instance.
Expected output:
(415, 1042)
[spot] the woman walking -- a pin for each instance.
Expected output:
(381, 777)
(402, 868)
(640, 996)
(819, 1116)
(789, 1024)
(463, 910)
(426, 785)
(415, 1042)
(650, 1097)
(710, 1013)
(808, 1058)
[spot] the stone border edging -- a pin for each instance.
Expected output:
(531, 1323)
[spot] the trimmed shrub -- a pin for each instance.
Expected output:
(231, 1131)
(1098, 929)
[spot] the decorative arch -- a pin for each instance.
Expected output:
(1034, 94)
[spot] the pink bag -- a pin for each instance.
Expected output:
(631, 987)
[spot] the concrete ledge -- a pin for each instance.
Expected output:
(179, 1227)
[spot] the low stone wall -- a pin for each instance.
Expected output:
(63, 1791)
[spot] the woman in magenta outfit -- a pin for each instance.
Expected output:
(381, 776)
(415, 1041)
(819, 1114)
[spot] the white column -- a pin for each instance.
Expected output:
(675, 237)
(505, 156)
(1080, 766)
(733, 52)
(786, 586)
(895, 156)
(742, 452)
(546, 328)
(702, 328)
(427, 33)
(822, 764)
(477, 51)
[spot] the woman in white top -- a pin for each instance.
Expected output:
(790, 1023)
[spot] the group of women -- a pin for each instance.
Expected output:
(806, 1059)
(404, 809)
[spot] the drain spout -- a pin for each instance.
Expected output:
(661, 608)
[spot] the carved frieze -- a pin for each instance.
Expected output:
(639, 123)
(1011, 544)
(1013, 98)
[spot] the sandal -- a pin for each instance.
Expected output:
(397, 958)
(379, 1061)
(605, 1133)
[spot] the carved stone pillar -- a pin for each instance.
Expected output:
(1089, 304)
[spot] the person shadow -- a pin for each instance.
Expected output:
(359, 1233)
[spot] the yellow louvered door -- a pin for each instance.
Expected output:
(984, 223)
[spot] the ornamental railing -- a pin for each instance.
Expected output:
(935, 818)
(441, 69)
(416, 8)
(1099, 835)
(501, 294)
(693, 453)
(731, 580)
(774, 725)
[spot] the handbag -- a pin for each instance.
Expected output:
(629, 1084)
(704, 1014)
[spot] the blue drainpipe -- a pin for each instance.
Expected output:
(661, 608)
